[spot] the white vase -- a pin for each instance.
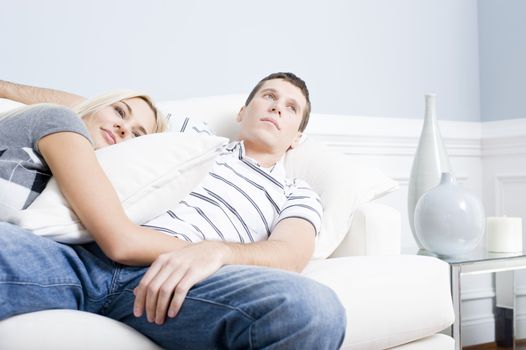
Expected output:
(449, 220)
(429, 163)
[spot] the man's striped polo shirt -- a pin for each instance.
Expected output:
(239, 201)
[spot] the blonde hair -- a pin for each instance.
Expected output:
(96, 104)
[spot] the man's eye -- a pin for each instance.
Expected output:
(269, 96)
(119, 111)
(136, 134)
(292, 108)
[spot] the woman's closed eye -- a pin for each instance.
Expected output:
(139, 130)
(119, 111)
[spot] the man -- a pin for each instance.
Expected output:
(209, 288)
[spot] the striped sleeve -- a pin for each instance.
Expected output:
(303, 203)
(187, 125)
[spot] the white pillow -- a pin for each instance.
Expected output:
(342, 184)
(149, 173)
(7, 105)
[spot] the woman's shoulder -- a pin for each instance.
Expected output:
(43, 119)
(51, 113)
(41, 113)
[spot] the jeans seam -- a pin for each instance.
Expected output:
(223, 305)
(214, 303)
(42, 284)
(251, 337)
(115, 279)
(243, 313)
(52, 285)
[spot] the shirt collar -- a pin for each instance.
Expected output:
(237, 148)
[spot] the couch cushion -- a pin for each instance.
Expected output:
(342, 184)
(434, 342)
(68, 329)
(390, 300)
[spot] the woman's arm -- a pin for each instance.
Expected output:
(92, 197)
(31, 94)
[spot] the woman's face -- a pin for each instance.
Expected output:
(120, 121)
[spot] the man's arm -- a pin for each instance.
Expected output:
(289, 247)
(164, 287)
(31, 94)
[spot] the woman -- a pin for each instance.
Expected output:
(43, 140)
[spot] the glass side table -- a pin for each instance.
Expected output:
(478, 262)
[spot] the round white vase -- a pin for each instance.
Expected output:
(430, 162)
(449, 220)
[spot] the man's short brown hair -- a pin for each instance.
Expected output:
(294, 80)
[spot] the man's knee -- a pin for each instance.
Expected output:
(318, 305)
(304, 312)
(297, 296)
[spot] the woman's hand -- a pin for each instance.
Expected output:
(163, 288)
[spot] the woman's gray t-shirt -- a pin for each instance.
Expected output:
(23, 171)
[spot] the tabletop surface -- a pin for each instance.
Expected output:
(479, 254)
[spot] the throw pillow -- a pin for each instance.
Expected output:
(149, 173)
(342, 184)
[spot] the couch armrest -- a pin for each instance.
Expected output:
(70, 329)
(375, 230)
(389, 300)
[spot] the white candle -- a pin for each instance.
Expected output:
(504, 234)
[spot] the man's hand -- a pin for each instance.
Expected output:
(163, 288)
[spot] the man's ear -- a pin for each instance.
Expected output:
(296, 140)
(239, 117)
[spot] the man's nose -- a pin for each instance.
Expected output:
(276, 108)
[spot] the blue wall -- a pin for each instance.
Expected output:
(502, 42)
(359, 57)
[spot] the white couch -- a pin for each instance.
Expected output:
(392, 301)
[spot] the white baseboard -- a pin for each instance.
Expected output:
(478, 330)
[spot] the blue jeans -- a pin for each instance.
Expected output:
(238, 307)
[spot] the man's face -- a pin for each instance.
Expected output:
(271, 120)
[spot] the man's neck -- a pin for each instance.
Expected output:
(265, 158)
